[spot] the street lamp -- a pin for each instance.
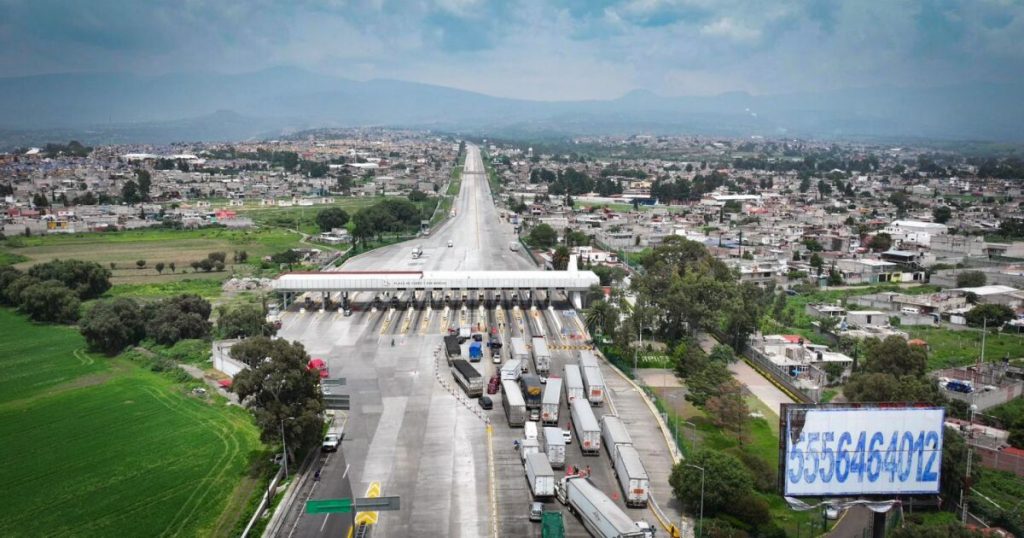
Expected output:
(284, 446)
(694, 428)
(636, 351)
(700, 522)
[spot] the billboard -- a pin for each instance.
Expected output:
(841, 450)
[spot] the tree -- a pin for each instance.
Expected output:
(217, 256)
(130, 193)
(881, 242)
(178, 318)
(942, 214)
(989, 315)
(817, 262)
(140, 263)
(16, 285)
(243, 321)
(171, 266)
(878, 387)
(8, 275)
(726, 482)
(560, 259)
(707, 382)
(805, 185)
(601, 318)
(954, 468)
(722, 354)
(145, 180)
(417, 196)
(609, 275)
(336, 217)
(159, 267)
(728, 409)
(195, 266)
(49, 301)
(280, 391)
(543, 236)
(206, 264)
(111, 326)
(88, 279)
(894, 356)
(971, 279)
(241, 256)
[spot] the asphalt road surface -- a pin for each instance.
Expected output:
(406, 430)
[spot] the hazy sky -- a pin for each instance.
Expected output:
(569, 49)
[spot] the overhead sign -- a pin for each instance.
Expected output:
(850, 450)
(328, 506)
(336, 401)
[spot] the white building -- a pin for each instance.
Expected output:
(914, 231)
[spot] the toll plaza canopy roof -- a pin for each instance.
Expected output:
(434, 280)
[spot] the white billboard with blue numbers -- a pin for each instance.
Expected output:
(835, 451)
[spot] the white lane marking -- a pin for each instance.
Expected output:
(324, 524)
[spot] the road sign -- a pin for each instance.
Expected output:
(328, 506)
(337, 401)
(379, 504)
(333, 381)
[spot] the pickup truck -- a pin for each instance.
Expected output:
(331, 442)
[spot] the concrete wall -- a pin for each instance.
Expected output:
(222, 360)
(1000, 460)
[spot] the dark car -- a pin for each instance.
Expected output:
(486, 402)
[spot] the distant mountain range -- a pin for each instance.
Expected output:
(104, 108)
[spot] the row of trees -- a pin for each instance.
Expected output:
(113, 325)
(52, 292)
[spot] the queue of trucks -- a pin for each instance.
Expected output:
(629, 470)
(534, 405)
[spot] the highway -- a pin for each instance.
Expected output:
(406, 430)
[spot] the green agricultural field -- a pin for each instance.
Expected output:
(304, 218)
(123, 249)
(948, 348)
(95, 446)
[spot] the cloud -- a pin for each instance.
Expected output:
(730, 29)
(553, 49)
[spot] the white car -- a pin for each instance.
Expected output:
(567, 435)
(451, 243)
(331, 442)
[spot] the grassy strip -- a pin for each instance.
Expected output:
(207, 288)
(947, 348)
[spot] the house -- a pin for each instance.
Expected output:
(996, 294)
(868, 318)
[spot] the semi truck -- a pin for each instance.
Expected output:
(468, 378)
(614, 434)
(512, 401)
(632, 476)
(553, 443)
(511, 370)
(587, 429)
(593, 380)
(527, 447)
(599, 514)
(550, 401)
(573, 383)
(533, 393)
(452, 349)
(541, 356)
(540, 476)
(519, 350)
